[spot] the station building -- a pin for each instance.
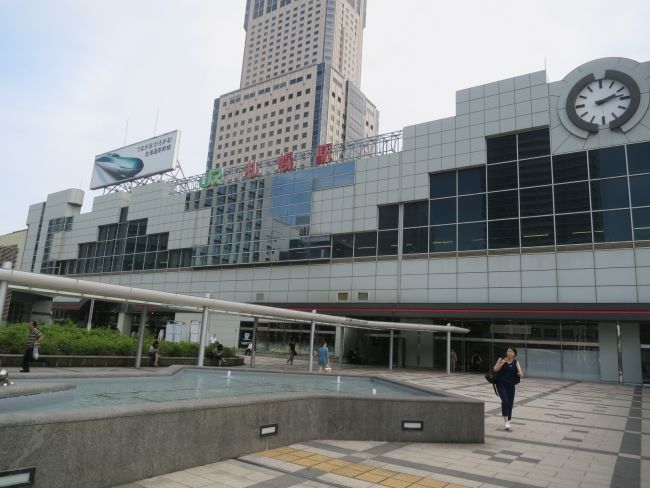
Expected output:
(525, 218)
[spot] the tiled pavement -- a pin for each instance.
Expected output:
(565, 434)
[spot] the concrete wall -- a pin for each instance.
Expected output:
(146, 441)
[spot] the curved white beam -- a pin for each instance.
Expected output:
(38, 281)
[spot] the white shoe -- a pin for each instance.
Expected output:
(508, 426)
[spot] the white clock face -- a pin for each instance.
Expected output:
(602, 101)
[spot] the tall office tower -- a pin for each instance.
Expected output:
(300, 81)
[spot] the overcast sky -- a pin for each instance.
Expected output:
(73, 72)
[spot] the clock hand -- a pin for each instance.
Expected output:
(606, 99)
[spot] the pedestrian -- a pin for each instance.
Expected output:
(454, 360)
(249, 349)
(154, 353)
(292, 352)
(477, 361)
(323, 357)
(33, 341)
(510, 373)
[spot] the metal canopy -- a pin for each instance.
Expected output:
(49, 284)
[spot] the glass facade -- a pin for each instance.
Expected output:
(524, 197)
(551, 349)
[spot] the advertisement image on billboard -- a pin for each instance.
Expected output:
(146, 158)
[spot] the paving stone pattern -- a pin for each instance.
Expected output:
(565, 434)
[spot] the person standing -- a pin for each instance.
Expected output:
(323, 357)
(292, 352)
(34, 340)
(510, 373)
(453, 360)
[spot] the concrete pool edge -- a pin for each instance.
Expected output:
(148, 440)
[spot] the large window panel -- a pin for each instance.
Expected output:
(342, 245)
(416, 240)
(387, 242)
(442, 184)
(534, 143)
(638, 157)
(572, 197)
(443, 211)
(639, 190)
(365, 244)
(442, 238)
(502, 176)
(570, 167)
(388, 217)
(471, 180)
(471, 208)
(536, 201)
(611, 193)
(472, 236)
(537, 231)
(641, 218)
(503, 205)
(416, 214)
(503, 234)
(607, 162)
(535, 172)
(612, 226)
(573, 228)
(502, 148)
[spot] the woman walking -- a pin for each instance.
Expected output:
(510, 373)
(323, 357)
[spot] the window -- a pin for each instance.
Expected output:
(442, 238)
(535, 172)
(442, 184)
(570, 167)
(604, 163)
(537, 231)
(503, 205)
(638, 157)
(612, 226)
(502, 176)
(534, 143)
(388, 216)
(443, 211)
(573, 228)
(503, 148)
(504, 234)
(472, 236)
(471, 181)
(416, 214)
(536, 201)
(365, 244)
(611, 193)
(639, 190)
(416, 240)
(387, 242)
(641, 217)
(342, 246)
(572, 197)
(470, 208)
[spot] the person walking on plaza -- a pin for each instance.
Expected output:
(510, 373)
(292, 352)
(323, 357)
(453, 360)
(34, 340)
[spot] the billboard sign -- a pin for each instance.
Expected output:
(146, 158)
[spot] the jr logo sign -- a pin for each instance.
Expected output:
(213, 177)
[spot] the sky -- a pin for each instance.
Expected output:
(79, 78)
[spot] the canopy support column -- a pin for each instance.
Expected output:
(254, 339)
(143, 324)
(312, 332)
(89, 324)
(448, 351)
(390, 351)
(204, 332)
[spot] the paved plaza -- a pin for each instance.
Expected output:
(565, 434)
